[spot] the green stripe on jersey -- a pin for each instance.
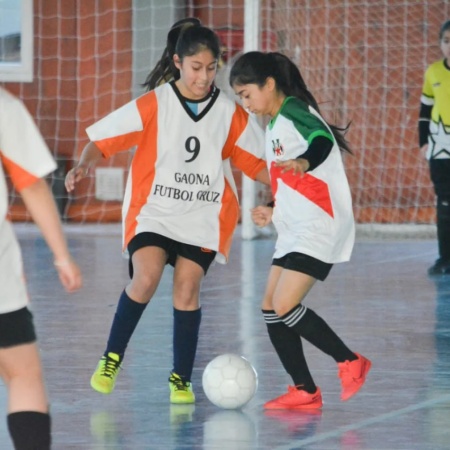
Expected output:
(304, 121)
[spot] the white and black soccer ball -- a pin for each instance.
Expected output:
(229, 381)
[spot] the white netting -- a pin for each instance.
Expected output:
(363, 60)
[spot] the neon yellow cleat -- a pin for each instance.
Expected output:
(180, 391)
(104, 377)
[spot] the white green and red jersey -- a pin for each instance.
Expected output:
(26, 158)
(180, 183)
(313, 213)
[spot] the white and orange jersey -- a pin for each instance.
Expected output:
(23, 152)
(180, 183)
(26, 158)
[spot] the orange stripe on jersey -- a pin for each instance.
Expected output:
(128, 141)
(238, 124)
(243, 160)
(143, 165)
(20, 178)
(228, 219)
(249, 164)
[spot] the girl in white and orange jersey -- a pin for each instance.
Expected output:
(26, 159)
(312, 215)
(180, 205)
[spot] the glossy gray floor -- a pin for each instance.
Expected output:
(381, 303)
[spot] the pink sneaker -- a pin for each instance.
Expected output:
(353, 375)
(296, 399)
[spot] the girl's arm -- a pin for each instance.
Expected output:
(262, 215)
(263, 176)
(40, 204)
(424, 125)
(89, 157)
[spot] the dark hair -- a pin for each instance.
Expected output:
(256, 67)
(445, 27)
(187, 37)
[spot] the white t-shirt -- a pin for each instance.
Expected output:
(26, 158)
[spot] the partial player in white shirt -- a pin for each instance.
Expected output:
(27, 160)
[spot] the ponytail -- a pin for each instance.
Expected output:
(165, 69)
(291, 83)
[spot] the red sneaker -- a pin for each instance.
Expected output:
(353, 375)
(296, 399)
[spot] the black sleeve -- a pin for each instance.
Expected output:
(317, 152)
(424, 123)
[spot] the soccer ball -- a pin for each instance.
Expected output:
(229, 381)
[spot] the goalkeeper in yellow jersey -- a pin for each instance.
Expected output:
(434, 141)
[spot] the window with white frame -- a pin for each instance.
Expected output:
(16, 40)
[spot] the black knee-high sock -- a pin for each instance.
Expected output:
(125, 320)
(289, 348)
(30, 430)
(307, 324)
(186, 325)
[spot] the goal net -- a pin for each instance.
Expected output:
(364, 61)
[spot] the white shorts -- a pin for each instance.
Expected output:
(13, 291)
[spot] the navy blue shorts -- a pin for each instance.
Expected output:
(202, 256)
(305, 264)
(16, 328)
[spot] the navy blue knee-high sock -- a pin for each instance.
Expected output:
(125, 320)
(186, 325)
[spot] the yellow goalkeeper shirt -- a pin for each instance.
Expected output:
(436, 93)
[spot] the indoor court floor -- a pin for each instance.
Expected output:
(382, 304)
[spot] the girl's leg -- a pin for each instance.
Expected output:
(443, 232)
(28, 415)
(289, 348)
(306, 323)
(291, 290)
(187, 316)
(148, 266)
(286, 342)
(288, 345)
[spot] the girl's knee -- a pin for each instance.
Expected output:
(142, 287)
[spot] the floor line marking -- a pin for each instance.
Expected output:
(364, 423)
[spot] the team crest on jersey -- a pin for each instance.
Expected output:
(277, 148)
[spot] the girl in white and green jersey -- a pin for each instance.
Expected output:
(313, 217)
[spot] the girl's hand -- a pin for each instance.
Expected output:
(74, 176)
(262, 215)
(69, 274)
(298, 166)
